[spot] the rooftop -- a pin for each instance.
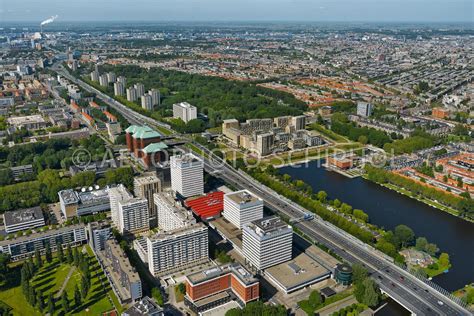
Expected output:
(142, 132)
(296, 273)
(23, 216)
(236, 269)
(155, 147)
(19, 120)
(207, 206)
(145, 306)
(123, 261)
(42, 234)
(242, 197)
(268, 225)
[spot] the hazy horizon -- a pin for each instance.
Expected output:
(376, 11)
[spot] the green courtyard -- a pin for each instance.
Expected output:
(53, 277)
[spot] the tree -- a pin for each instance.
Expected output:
(69, 256)
(60, 253)
(322, 196)
(404, 235)
(359, 273)
(315, 299)
(39, 301)
(77, 296)
(65, 302)
(51, 305)
(337, 203)
(431, 249)
(156, 294)
(48, 253)
(444, 260)
(39, 260)
(421, 243)
(4, 260)
(371, 293)
(75, 256)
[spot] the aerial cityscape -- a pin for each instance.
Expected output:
(237, 160)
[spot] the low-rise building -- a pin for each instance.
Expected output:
(210, 288)
(23, 219)
(85, 202)
(144, 307)
(31, 122)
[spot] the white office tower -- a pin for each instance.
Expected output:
(122, 80)
(111, 77)
(131, 94)
(184, 111)
(147, 103)
(118, 88)
(267, 242)
(177, 249)
(155, 96)
(103, 80)
(140, 89)
(187, 176)
(364, 109)
(129, 214)
(170, 214)
(95, 75)
(242, 207)
(133, 216)
(144, 187)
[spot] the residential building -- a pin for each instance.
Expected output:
(264, 144)
(122, 276)
(129, 214)
(132, 94)
(242, 207)
(147, 102)
(95, 75)
(298, 122)
(24, 246)
(177, 249)
(170, 214)
(122, 80)
(155, 96)
(98, 233)
(23, 219)
(103, 80)
(31, 122)
(210, 288)
(184, 111)
(187, 175)
(140, 88)
(145, 187)
(119, 88)
(111, 77)
(267, 242)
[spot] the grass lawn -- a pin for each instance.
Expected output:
(49, 279)
(328, 133)
(179, 296)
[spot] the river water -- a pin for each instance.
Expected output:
(387, 209)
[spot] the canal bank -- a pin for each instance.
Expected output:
(386, 208)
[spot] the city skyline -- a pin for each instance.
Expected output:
(246, 10)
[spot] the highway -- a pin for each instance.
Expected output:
(417, 296)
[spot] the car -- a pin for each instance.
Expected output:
(402, 278)
(440, 303)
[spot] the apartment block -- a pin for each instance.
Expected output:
(184, 111)
(187, 175)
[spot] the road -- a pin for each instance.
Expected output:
(416, 295)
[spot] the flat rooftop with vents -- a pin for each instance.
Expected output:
(23, 219)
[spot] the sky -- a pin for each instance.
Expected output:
(240, 10)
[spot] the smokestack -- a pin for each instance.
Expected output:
(47, 21)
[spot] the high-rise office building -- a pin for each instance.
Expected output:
(187, 176)
(131, 94)
(103, 80)
(177, 249)
(147, 102)
(170, 214)
(155, 96)
(184, 111)
(140, 89)
(242, 207)
(119, 88)
(267, 242)
(144, 187)
(364, 109)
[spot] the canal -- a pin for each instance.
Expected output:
(388, 209)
